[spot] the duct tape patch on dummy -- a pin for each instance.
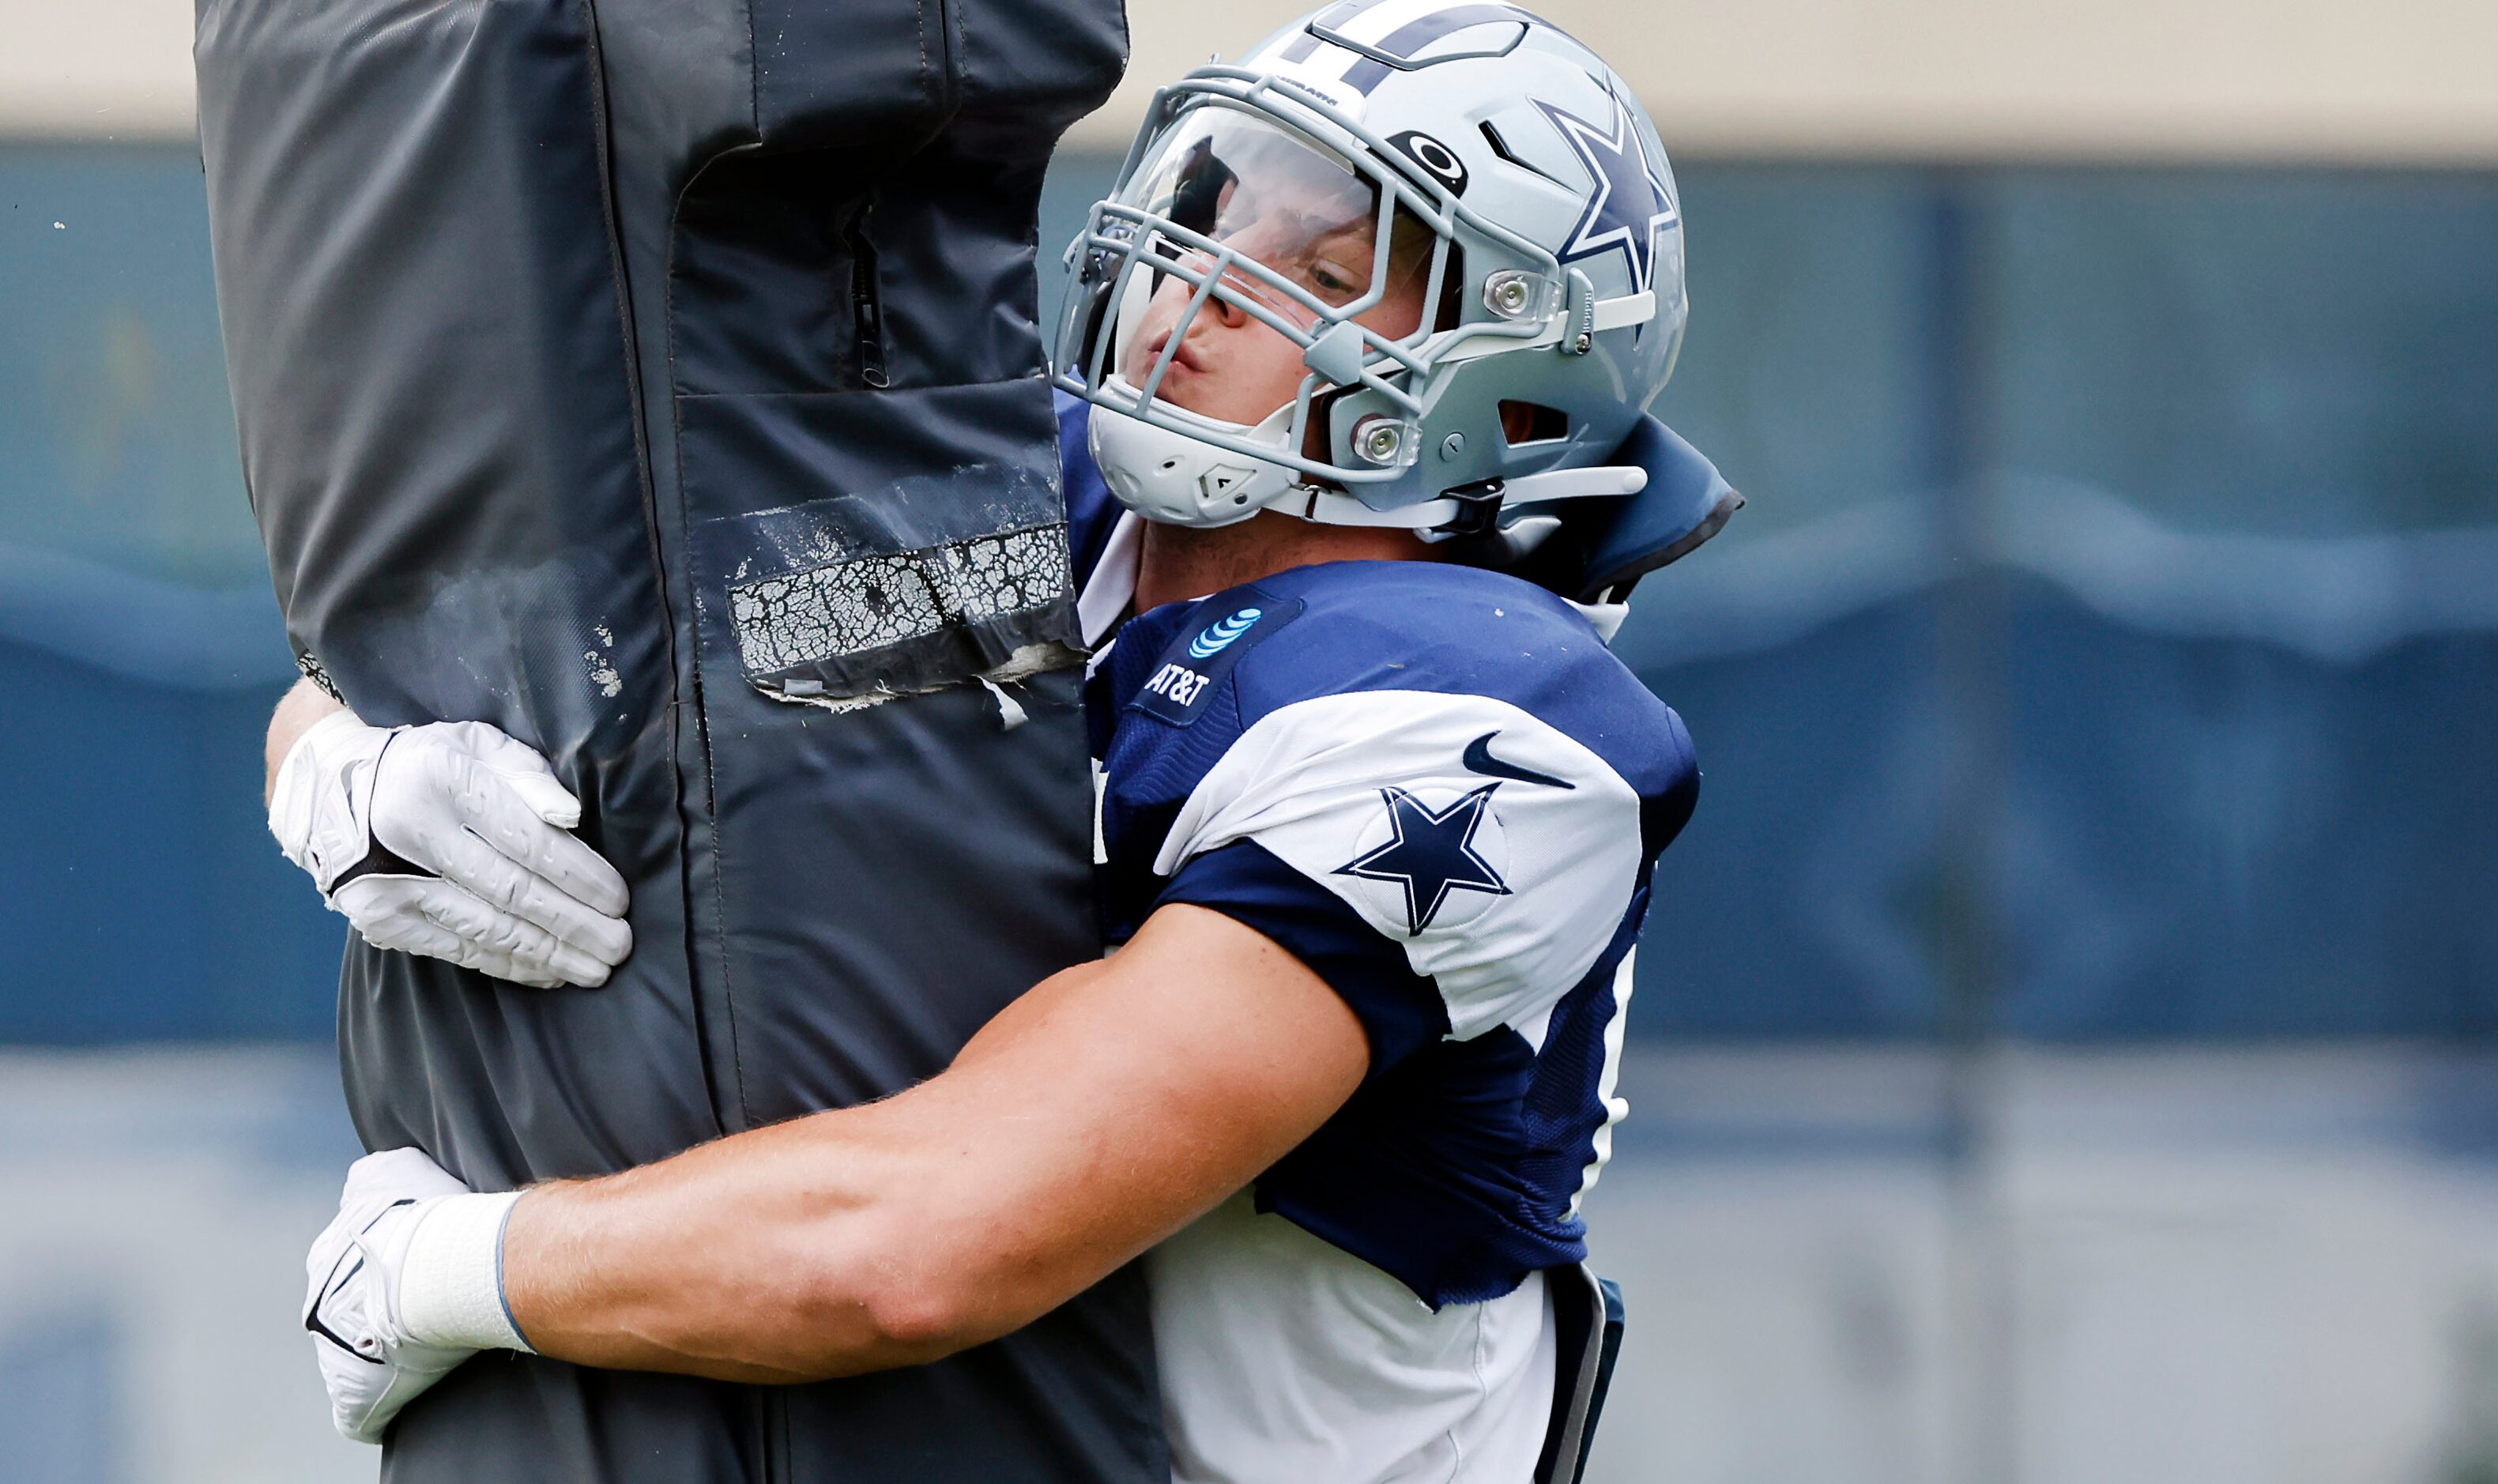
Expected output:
(842, 603)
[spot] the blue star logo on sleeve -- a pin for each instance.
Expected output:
(1430, 854)
(1632, 203)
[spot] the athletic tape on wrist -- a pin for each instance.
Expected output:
(451, 1285)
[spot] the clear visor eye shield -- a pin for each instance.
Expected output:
(1233, 205)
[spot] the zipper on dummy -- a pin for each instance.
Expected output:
(867, 304)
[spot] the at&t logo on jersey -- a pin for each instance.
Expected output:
(1218, 638)
(1194, 664)
(1181, 686)
(1177, 683)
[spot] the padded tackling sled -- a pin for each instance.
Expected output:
(651, 379)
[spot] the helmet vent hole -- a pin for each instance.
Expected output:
(1500, 148)
(1531, 422)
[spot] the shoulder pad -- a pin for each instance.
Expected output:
(1605, 547)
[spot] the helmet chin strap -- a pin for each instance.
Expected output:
(1324, 507)
(1334, 507)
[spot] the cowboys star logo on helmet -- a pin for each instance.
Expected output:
(1633, 205)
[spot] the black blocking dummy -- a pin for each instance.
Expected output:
(657, 380)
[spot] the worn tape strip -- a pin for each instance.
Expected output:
(865, 604)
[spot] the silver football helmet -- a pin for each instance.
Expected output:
(1459, 222)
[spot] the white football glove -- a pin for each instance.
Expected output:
(369, 1362)
(450, 840)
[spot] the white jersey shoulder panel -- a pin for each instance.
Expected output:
(1498, 851)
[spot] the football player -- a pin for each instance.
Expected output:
(1360, 472)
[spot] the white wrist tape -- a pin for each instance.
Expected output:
(451, 1285)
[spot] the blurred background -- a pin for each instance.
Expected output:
(2064, 1048)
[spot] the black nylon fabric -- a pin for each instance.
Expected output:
(558, 329)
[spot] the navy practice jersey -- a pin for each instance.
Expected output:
(1437, 789)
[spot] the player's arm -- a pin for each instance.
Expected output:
(1102, 1110)
(1099, 1114)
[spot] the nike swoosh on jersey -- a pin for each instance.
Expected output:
(1478, 758)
